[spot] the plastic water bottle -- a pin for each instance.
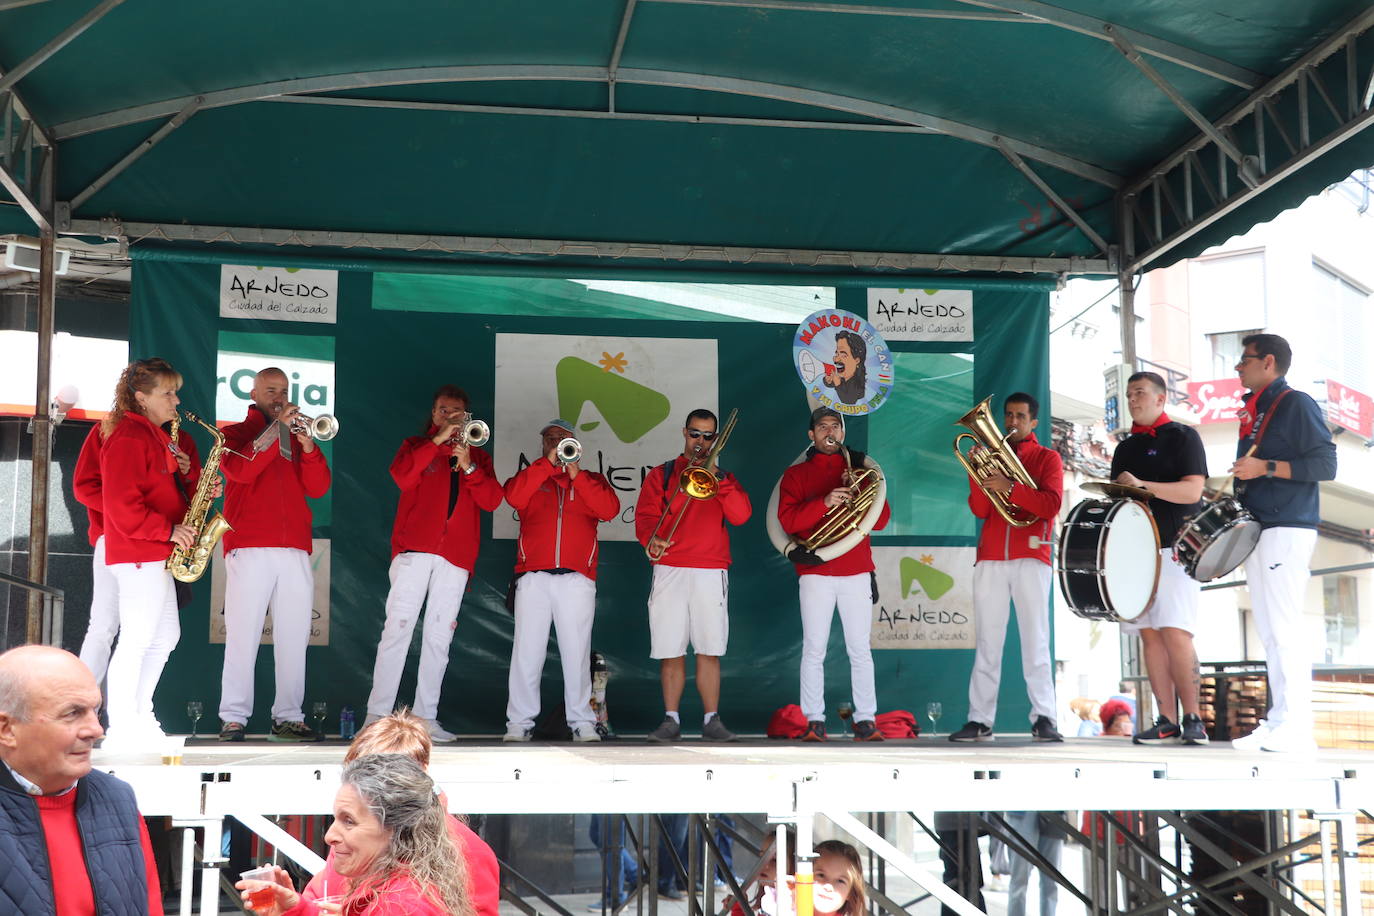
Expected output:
(346, 724)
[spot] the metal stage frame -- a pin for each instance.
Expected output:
(863, 789)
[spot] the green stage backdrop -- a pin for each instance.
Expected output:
(398, 337)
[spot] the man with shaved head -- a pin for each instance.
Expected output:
(267, 558)
(71, 838)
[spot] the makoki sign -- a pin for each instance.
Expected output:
(1216, 401)
(1349, 409)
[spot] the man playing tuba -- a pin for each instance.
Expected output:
(1013, 565)
(688, 600)
(809, 495)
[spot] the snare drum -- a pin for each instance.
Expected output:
(1108, 560)
(1216, 540)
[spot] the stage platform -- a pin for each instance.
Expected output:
(484, 776)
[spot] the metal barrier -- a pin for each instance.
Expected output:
(53, 605)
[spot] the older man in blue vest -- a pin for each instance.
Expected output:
(72, 839)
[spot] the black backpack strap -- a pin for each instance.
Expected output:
(667, 482)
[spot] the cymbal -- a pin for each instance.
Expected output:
(1117, 490)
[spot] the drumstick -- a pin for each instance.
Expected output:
(1232, 476)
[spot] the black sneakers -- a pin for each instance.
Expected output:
(1162, 730)
(867, 730)
(1194, 731)
(815, 731)
(231, 731)
(1044, 730)
(292, 732)
(972, 731)
(667, 730)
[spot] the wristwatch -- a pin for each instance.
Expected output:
(472, 467)
(1270, 468)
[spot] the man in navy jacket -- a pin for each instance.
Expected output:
(1293, 450)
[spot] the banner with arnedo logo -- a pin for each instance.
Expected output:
(279, 293)
(925, 598)
(626, 397)
(922, 314)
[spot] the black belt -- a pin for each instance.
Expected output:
(560, 571)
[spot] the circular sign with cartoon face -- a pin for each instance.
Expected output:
(843, 362)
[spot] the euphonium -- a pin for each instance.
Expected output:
(995, 457)
(188, 565)
(698, 481)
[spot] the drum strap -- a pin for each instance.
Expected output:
(1269, 415)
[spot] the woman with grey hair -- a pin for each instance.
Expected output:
(390, 842)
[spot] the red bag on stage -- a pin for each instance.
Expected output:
(787, 722)
(897, 724)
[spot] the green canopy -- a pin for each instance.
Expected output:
(783, 136)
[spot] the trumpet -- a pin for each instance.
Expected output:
(324, 427)
(475, 433)
(994, 456)
(698, 481)
(569, 451)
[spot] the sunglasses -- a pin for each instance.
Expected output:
(698, 434)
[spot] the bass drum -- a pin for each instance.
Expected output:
(1108, 561)
(1216, 540)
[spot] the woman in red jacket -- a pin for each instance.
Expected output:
(144, 504)
(445, 487)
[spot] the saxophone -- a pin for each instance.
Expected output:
(188, 565)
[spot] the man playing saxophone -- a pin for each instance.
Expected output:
(1013, 566)
(267, 557)
(688, 601)
(806, 493)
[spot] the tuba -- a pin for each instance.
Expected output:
(188, 565)
(996, 457)
(698, 481)
(843, 526)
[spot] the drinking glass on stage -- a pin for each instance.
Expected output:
(933, 712)
(195, 709)
(846, 712)
(319, 711)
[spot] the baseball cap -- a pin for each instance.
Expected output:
(820, 413)
(559, 422)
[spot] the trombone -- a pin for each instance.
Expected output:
(698, 481)
(990, 454)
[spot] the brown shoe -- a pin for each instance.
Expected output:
(815, 731)
(867, 730)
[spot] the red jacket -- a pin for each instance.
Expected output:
(484, 874)
(141, 491)
(558, 517)
(86, 478)
(1000, 541)
(701, 540)
(801, 506)
(264, 498)
(422, 470)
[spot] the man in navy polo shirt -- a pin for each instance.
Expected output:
(1293, 450)
(1167, 459)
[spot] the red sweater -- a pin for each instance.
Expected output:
(558, 517)
(86, 478)
(141, 494)
(264, 498)
(801, 506)
(1000, 541)
(423, 472)
(484, 874)
(701, 540)
(71, 885)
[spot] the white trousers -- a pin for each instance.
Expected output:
(413, 575)
(568, 602)
(996, 585)
(259, 577)
(1277, 572)
(148, 631)
(819, 597)
(104, 620)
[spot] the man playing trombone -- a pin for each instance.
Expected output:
(809, 496)
(686, 539)
(267, 559)
(446, 482)
(1013, 566)
(560, 506)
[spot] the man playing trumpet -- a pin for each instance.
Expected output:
(689, 595)
(807, 492)
(446, 483)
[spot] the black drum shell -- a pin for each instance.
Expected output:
(1222, 520)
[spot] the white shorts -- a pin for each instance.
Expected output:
(688, 605)
(1176, 599)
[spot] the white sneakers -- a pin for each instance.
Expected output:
(515, 733)
(584, 733)
(1280, 739)
(437, 733)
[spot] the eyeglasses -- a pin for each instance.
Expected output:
(698, 434)
(1245, 356)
